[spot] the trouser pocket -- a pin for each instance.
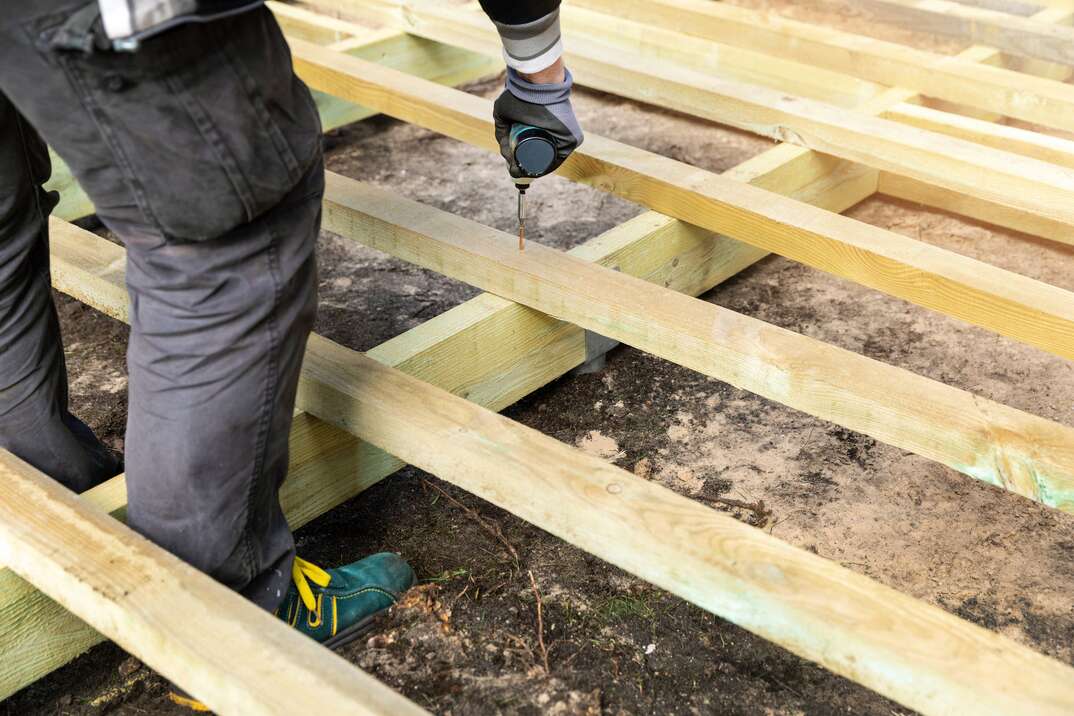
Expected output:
(207, 122)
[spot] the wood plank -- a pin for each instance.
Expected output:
(659, 46)
(1021, 183)
(1010, 304)
(315, 27)
(147, 600)
(912, 652)
(37, 635)
(1043, 147)
(1034, 457)
(959, 80)
(1016, 35)
(489, 350)
(335, 383)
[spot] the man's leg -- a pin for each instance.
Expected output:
(34, 421)
(202, 152)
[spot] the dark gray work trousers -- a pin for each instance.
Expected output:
(202, 152)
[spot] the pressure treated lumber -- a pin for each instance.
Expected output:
(236, 658)
(1025, 454)
(915, 653)
(657, 45)
(909, 651)
(1022, 183)
(489, 350)
(38, 635)
(1012, 34)
(1012, 305)
(958, 80)
(335, 383)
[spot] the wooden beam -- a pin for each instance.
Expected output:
(174, 618)
(316, 27)
(38, 635)
(1034, 457)
(1010, 304)
(963, 81)
(783, 600)
(1011, 7)
(912, 652)
(489, 350)
(1021, 183)
(659, 46)
(1016, 35)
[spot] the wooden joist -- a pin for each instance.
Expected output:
(1013, 34)
(960, 80)
(914, 653)
(1010, 304)
(236, 658)
(1022, 183)
(37, 635)
(1023, 453)
(909, 651)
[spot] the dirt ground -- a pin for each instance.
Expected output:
(465, 640)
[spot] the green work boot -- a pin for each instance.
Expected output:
(336, 606)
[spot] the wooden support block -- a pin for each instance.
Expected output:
(1022, 183)
(960, 80)
(1010, 304)
(1016, 35)
(912, 652)
(1034, 458)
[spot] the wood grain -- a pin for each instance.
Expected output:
(235, 657)
(956, 79)
(1016, 35)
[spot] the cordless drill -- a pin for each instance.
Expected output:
(534, 151)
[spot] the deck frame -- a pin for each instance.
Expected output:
(883, 138)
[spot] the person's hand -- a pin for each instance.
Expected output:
(541, 100)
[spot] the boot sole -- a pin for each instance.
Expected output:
(355, 631)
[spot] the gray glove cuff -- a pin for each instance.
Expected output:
(543, 94)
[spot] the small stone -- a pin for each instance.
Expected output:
(650, 649)
(129, 666)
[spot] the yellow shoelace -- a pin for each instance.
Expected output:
(302, 571)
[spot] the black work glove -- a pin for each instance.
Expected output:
(545, 106)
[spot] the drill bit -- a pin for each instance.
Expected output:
(521, 217)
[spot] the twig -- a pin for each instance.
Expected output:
(540, 623)
(492, 529)
(761, 514)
